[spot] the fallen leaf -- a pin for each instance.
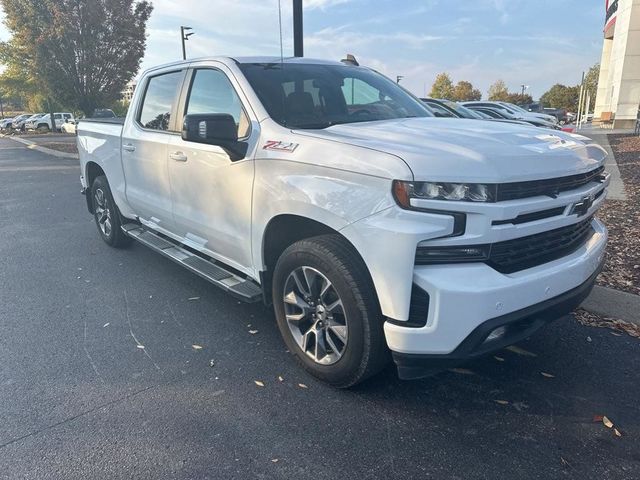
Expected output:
(274, 460)
(618, 434)
(461, 371)
(302, 385)
(607, 423)
(253, 332)
(212, 363)
(588, 339)
(105, 325)
(258, 383)
(197, 347)
(502, 402)
(140, 346)
(597, 418)
(280, 378)
(521, 351)
(548, 375)
(616, 334)
(193, 298)
(500, 359)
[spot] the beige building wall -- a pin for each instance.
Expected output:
(619, 82)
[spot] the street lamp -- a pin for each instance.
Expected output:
(524, 87)
(184, 37)
(398, 78)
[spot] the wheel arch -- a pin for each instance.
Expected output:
(283, 231)
(92, 171)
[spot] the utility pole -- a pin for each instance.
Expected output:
(184, 37)
(298, 38)
(398, 78)
(524, 87)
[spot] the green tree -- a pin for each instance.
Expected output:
(464, 92)
(519, 98)
(82, 53)
(498, 92)
(561, 96)
(591, 84)
(442, 87)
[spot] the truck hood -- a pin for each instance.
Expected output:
(456, 150)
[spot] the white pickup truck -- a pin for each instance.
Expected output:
(374, 229)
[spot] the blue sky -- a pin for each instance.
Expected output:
(535, 42)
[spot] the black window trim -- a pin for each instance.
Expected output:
(173, 126)
(185, 93)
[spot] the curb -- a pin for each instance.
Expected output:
(608, 302)
(48, 151)
(616, 187)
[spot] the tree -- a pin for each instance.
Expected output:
(442, 87)
(591, 84)
(498, 92)
(464, 92)
(561, 96)
(519, 98)
(82, 53)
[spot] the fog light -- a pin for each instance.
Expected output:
(496, 334)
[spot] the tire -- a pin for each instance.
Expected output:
(340, 343)
(106, 214)
(43, 128)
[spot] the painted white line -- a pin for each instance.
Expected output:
(49, 151)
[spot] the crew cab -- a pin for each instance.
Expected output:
(375, 230)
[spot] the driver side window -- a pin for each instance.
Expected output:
(211, 92)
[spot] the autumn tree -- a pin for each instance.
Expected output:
(80, 52)
(498, 92)
(464, 92)
(442, 87)
(561, 96)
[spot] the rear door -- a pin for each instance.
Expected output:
(211, 193)
(144, 149)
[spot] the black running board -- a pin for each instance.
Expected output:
(215, 273)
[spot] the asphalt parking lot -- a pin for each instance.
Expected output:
(80, 399)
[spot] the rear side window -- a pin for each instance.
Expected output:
(157, 104)
(212, 92)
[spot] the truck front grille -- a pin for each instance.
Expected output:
(526, 252)
(550, 187)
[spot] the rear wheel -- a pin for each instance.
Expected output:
(43, 128)
(327, 311)
(106, 214)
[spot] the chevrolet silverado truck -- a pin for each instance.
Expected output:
(375, 230)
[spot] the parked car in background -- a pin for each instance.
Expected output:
(30, 120)
(438, 109)
(533, 107)
(459, 111)
(521, 111)
(103, 113)
(18, 122)
(503, 114)
(512, 111)
(559, 113)
(5, 123)
(43, 124)
(69, 126)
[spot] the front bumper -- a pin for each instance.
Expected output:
(517, 326)
(463, 297)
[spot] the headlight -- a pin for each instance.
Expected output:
(458, 192)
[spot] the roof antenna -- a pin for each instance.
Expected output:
(350, 60)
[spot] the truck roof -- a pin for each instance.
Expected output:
(243, 60)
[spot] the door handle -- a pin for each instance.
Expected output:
(178, 156)
(129, 147)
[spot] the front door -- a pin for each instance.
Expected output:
(144, 150)
(212, 193)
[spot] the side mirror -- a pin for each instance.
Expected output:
(214, 129)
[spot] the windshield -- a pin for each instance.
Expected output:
(462, 111)
(318, 96)
(514, 107)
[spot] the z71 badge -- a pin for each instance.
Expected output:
(280, 146)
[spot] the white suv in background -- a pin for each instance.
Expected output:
(44, 122)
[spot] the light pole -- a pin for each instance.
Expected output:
(184, 37)
(398, 78)
(524, 87)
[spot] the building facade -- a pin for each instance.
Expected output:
(619, 82)
(127, 93)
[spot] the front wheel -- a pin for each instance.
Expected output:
(327, 311)
(106, 214)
